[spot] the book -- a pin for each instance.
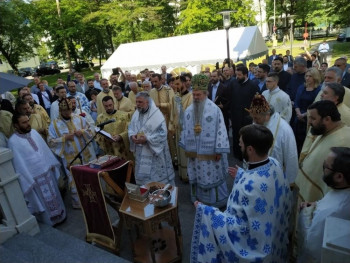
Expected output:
(103, 161)
(104, 133)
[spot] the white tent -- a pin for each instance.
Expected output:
(190, 51)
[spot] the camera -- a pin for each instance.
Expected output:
(115, 71)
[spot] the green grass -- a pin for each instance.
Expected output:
(340, 49)
(52, 79)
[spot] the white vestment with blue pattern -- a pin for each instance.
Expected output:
(254, 227)
(207, 177)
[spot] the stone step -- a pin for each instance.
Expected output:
(31, 250)
(74, 246)
(54, 246)
(8, 256)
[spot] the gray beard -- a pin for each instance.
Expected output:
(198, 108)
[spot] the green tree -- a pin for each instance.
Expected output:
(198, 16)
(17, 40)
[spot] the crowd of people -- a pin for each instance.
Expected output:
(286, 116)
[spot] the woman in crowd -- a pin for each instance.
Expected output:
(306, 95)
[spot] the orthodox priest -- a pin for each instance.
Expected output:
(254, 226)
(38, 171)
(148, 141)
(68, 135)
(205, 141)
(284, 148)
(119, 144)
(182, 100)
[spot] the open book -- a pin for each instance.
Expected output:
(104, 133)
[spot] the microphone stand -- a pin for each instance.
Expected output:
(86, 145)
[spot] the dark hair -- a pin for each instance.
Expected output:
(326, 108)
(93, 92)
(16, 116)
(273, 75)
(257, 136)
(156, 75)
(279, 59)
(182, 78)
(338, 90)
(90, 80)
(264, 67)
(25, 95)
(243, 69)
(341, 162)
(71, 97)
(59, 87)
(19, 103)
(188, 75)
(107, 98)
(324, 63)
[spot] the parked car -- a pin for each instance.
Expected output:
(63, 64)
(82, 64)
(341, 37)
(25, 72)
(48, 68)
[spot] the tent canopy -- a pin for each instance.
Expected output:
(190, 51)
(10, 82)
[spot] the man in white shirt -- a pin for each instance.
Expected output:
(277, 97)
(323, 49)
(97, 81)
(336, 203)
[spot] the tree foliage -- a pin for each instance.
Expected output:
(16, 36)
(203, 15)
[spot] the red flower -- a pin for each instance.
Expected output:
(82, 114)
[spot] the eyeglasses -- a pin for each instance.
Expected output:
(337, 65)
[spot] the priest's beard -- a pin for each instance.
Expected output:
(318, 130)
(198, 108)
(24, 130)
(240, 80)
(328, 179)
(142, 111)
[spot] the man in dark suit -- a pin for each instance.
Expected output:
(286, 63)
(216, 93)
(284, 76)
(341, 64)
(272, 57)
(289, 56)
(240, 92)
(45, 98)
(263, 71)
(167, 75)
(91, 88)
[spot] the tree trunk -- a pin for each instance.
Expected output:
(110, 39)
(9, 60)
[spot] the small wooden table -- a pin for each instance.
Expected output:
(154, 242)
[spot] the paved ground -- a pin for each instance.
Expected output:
(75, 226)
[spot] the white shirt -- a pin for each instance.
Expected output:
(214, 90)
(46, 99)
(280, 101)
(323, 48)
(335, 203)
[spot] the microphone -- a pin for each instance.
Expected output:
(104, 123)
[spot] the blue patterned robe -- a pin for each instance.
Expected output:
(207, 177)
(254, 227)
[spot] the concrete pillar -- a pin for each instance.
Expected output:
(15, 216)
